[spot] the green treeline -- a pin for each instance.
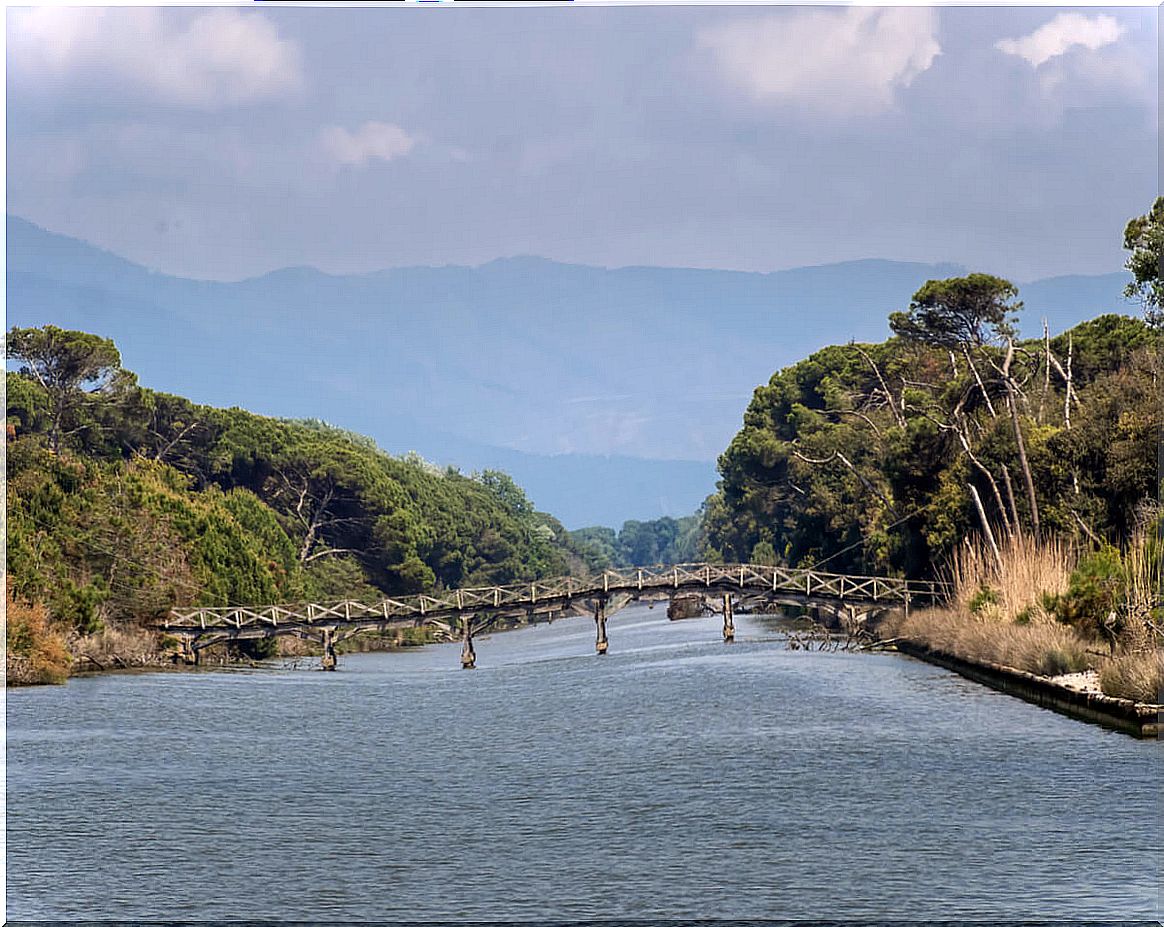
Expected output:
(642, 543)
(124, 502)
(868, 458)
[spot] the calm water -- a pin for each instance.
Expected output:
(675, 777)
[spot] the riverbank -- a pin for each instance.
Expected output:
(1062, 694)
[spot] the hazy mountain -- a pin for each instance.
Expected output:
(607, 393)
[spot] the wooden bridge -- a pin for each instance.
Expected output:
(466, 612)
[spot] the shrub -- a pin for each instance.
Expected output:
(36, 651)
(1095, 589)
(982, 599)
(1138, 676)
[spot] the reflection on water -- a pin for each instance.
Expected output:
(674, 777)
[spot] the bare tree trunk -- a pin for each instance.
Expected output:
(897, 414)
(982, 468)
(1012, 403)
(1014, 515)
(985, 524)
(978, 380)
(1046, 369)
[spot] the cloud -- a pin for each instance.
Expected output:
(218, 58)
(839, 60)
(373, 140)
(1061, 34)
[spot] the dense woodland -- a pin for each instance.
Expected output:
(881, 458)
(124, 502)
(642, 543)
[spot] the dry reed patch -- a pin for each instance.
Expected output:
(1042, 648)
(117, 647)
(35, 650)
(1138, 676)
(1031, 573)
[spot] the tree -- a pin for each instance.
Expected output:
(1144, 238)
(975, 310)
(69, 365)
(971, 313)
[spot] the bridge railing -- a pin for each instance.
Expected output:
(809, 584)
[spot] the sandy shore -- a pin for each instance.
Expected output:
(1087, 681)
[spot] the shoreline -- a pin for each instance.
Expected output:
(1139, 719)
(1071, 695)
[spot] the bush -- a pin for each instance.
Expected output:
(1138, 676)
(982, 600)
(1094, 590)
(36, 651)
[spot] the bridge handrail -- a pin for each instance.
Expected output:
(516, 595)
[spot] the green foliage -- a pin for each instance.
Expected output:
(70, 367)
(832, 467)
(1144, 238)
(763, 553)
(984, 598)
(971, 310)
(641, 543)
(1095, 591)
(137, 501)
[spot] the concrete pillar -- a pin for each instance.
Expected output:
(600, 642)
(729, 625)
(188, 654)
(329, 659)
(468, 655)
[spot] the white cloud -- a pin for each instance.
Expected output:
(1061, 34)
(373, 140)
(218, 58)
(850, 59)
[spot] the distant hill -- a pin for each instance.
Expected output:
(608, 394)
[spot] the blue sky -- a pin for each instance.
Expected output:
(226, 142)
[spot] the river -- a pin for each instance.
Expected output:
(676, 777)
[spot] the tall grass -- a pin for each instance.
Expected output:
(1144, 584)
(1043, 648)
(1138, 676)
(1030, 574)
(1000, 612)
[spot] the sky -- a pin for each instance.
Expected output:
(226, 142)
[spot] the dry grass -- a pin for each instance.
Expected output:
(1144, 582)
(35, 651)
(1031, 572)
(1043, 648)
(117, 647)
(1138, 676)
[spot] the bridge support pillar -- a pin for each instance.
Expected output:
(468, 655)
(600, 642)
(329, 659)
(188, 654)
(729, 625)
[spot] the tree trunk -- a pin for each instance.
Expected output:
(1012, 403)
(985, 524)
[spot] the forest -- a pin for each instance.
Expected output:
(124, 502)
(641, 543)
(1025, 472)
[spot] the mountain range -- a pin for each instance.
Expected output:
(606, 393)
